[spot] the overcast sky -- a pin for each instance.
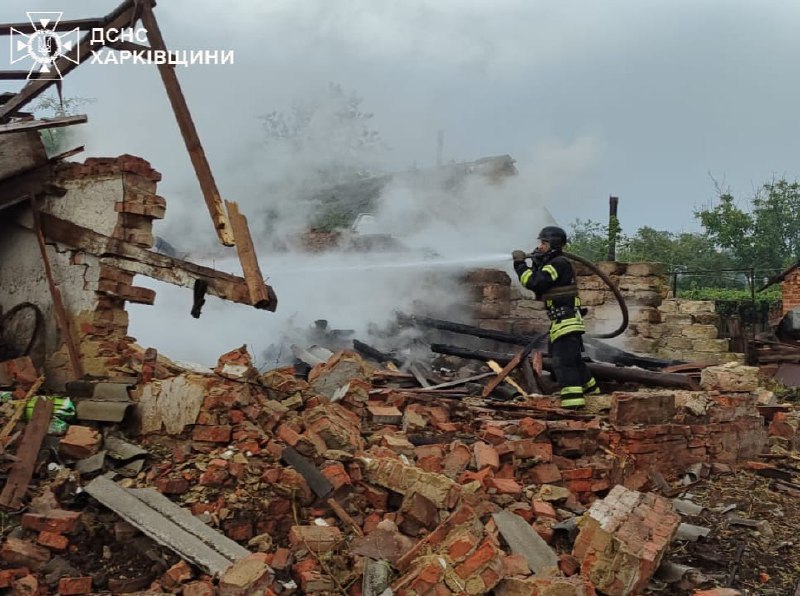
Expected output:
(643, 100)
(639, 99)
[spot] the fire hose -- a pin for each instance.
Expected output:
(614, 290)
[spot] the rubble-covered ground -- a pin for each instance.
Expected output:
(356, 480)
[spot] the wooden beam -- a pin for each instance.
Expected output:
(58, 304)
(21, 472)
(5, 29)
(247, 255)
(122, 17)
(134, 259)
(40, 124)
(179, 106)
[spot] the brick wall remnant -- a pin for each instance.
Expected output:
(623, 538)
(673, 329)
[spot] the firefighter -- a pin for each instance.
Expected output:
(552, 278)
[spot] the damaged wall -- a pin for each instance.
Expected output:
(114, 197)
(790, 290)
(668, 328)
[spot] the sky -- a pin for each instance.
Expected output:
(649, 101)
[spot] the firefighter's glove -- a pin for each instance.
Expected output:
(519, 255)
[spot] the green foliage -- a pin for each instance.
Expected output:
(680, 252)
(58, 140)
(588, 239)
(332, 217)
(766, 234)
(328, 135)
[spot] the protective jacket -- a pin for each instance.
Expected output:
(553, 281)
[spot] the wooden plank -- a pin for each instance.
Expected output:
(42, 124)
(58, 304)
(498, 370)
(189, 132)
(28, 28)
(247, 255)
(135, 259)
(122, 17)
(20, 476)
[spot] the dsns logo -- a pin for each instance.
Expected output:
(44, 46)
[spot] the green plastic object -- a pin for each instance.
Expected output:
(63, 413)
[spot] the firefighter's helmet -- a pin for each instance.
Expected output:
(556, 237)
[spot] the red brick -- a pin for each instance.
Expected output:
(281, 559)
(477, 560)
(288, 435)
(515, 565)
(529, 449)
(60, 521)
(544, 509)
(577, 474)
(504, 486)
(485, 456)
(7, 576)
(531, 428)
(214, 477)
(53, 541)
(247, 576)
(79, 442)
(544, 530)
(336, 475)
(377, 498)
(172, 486)
(23, 553)
(177, 574)
(318, 539)
(545, 474)
(239, 530)
(212, 434)
(493, 435)
(461, 545)
(418, 510)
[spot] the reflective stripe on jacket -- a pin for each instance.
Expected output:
(555, 273)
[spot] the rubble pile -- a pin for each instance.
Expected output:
(354, 480)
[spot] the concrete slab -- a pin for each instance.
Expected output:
(523, 540)
(170, 530)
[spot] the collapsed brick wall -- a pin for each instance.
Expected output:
(669, 328)
(790, 291)
(112, 196)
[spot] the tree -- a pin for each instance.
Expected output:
(695, 254)
(767, 235)
(58, 140)
(589, 239)
(328, 136)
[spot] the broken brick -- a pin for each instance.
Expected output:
(21, 552)
(177, 574)
(318, 539)
(53, 541)
(247, 576)
(485, 456)
(212, 434)
(59, 521)
(79, 442)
